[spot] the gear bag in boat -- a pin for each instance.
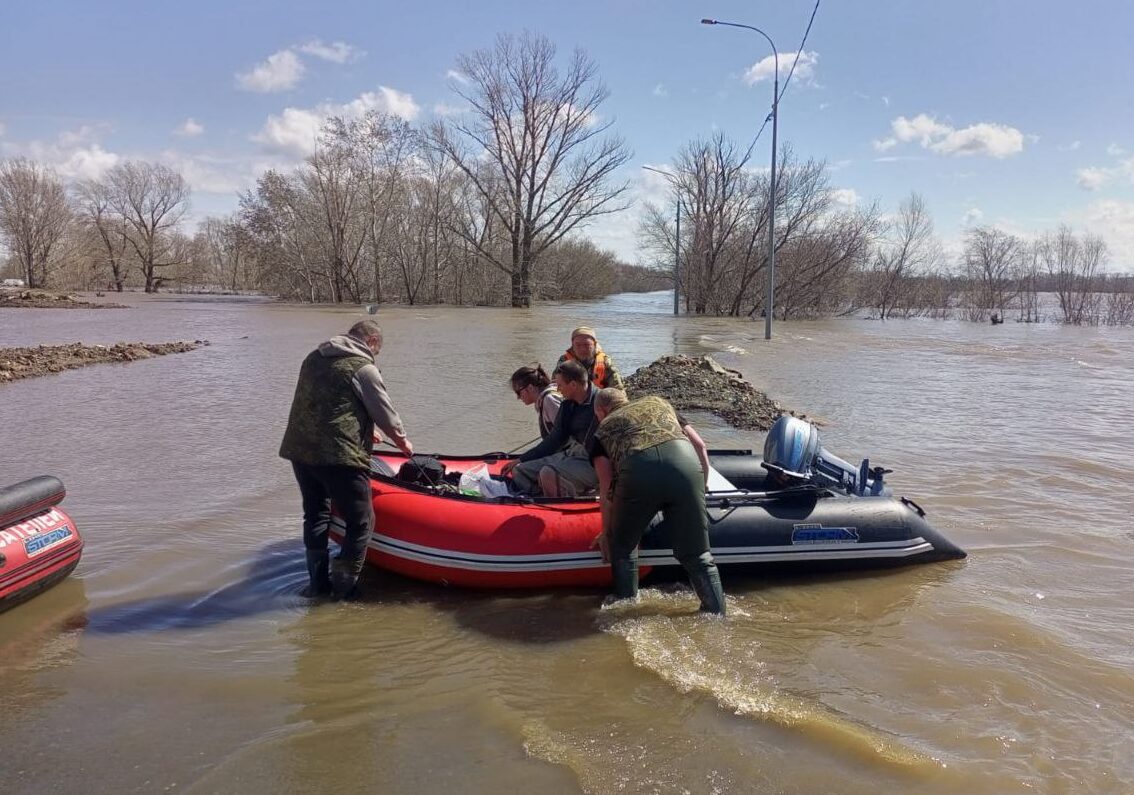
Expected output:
(422, 470)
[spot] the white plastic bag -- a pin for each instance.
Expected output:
(476, 482)
(471, 478)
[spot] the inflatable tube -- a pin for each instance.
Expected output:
(39, 543)
(436, 535)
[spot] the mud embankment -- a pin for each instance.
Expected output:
(17, 363)
(700, 383)
(42, 299)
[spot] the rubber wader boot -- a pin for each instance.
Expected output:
(344, 577)
(318, 574)
(625, 573)
(706, 581)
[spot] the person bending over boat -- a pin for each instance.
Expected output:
(533, 386)
(339, 398)
(560, 465)
(586, 351)
(645, 464)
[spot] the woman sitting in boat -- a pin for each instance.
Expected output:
(560, 466)
(533, 386)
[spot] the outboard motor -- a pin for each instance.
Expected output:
(793, 451)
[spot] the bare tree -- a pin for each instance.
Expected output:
(101, 221)
(1073, 266)
(991, 259)
(812, 274)
(280, 219)
(383, 149)
(549, 164)
(151, 199)
(908, 253)
(34, 216)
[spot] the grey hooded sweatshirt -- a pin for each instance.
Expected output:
(339, 398)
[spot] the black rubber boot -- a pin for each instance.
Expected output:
(625, 573)
(706, 581)
(318, 574)
(344, 578)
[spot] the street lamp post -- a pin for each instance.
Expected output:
(770, 302)
(676, 243)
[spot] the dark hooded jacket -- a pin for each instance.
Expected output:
(339, 398)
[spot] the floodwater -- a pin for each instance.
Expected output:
(179, 656)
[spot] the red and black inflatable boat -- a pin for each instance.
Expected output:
(441, 536)
(39, 543)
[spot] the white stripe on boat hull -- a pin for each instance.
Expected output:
(470, 561)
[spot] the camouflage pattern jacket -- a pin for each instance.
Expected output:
(339, 398)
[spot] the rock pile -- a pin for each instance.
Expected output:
(700, 383)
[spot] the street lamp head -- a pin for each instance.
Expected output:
(708, 22)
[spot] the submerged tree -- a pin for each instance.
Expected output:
(532, 146)
(34, 216)
(907, 253)
(991, 261)
(151, 199)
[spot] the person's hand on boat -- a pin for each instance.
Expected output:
(404, 444)
(378, 438)
(603, 544)
(507, 468)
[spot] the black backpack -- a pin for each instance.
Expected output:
(422, 470)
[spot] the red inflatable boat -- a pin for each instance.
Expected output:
(434, 533)
(39, 543)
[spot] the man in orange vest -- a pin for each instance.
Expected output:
(586, 351)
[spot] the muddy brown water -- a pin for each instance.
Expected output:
(180, 657)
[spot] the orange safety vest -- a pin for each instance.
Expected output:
(599, 373)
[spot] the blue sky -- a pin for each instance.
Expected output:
(1017, 114)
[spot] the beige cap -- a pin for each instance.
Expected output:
(584, 331)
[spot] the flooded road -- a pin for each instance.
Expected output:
(180, 656)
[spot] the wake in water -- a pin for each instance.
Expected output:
(697, 654)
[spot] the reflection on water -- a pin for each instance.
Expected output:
(182, 643)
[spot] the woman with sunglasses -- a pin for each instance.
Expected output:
(533, 386)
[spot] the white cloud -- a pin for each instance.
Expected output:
(1114, 150)
(336, 51)
(460, 77)
(445, 109)
(1092, 178)
(74, 154)
(1114, 221)
(848, 197)
(1071, 147)
(886, 101)
(281, 71)
(660, 90)
(765, 69)
(295, 130)
(972, 216)
(189, 129)
(824, 105)
(885, 144)
(994, 140)
(217, 174)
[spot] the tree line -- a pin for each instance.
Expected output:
(485, 207)
(833, 259)
(489, 206)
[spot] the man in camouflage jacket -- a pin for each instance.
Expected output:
(339, 399)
